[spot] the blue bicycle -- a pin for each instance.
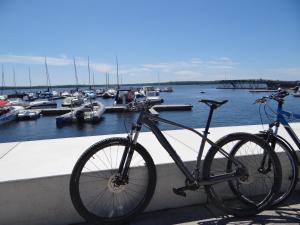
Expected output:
(287, 154)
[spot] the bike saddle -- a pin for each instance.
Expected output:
(213, 103)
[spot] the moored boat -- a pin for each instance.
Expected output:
(42, 104)
(154, 97)
(72, 101)
(28, 115)
(297, 94)
(8, 114)
(89, 112)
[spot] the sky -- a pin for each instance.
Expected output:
(157, 40)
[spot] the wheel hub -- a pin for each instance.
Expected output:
(114, 185)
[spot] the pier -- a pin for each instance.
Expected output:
(34, 181)
(117, 109)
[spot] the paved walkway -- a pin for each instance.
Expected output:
(207, 214)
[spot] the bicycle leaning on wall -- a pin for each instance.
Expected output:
(114, 180)
(287, 154)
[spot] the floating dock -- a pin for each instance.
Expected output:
(116, 109)
(262, 90)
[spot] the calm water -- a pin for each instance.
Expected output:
(238, 111)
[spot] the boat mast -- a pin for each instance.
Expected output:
(47, 75)
(89, 72)
(29, 76)
(3, 82)
(117, 73)
(14, 78)
(76, 75)
(93, 80)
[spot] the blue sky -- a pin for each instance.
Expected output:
(179, 40)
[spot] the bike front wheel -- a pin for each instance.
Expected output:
(288, 161)
(252, 192)
(99, 194)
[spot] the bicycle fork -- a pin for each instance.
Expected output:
(128, 153)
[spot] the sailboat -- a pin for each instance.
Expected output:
(38, 104)
(2, 96)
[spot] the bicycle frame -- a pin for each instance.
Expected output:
(281, 120)
(146, 118)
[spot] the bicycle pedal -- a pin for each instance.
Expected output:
(179, 191)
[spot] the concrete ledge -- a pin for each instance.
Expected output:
(34, 182)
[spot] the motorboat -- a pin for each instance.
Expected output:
(167, 89)
(17, 102)
(8, 114)
(65, 94)
(28, 115)
(138, 94)
(42, 104)
(30, 97)
(3, 97)
(72, 101)
(124, 97)
(90, 94)
(153, 97)
(145, 89)
(99, 92)
(89, 112)
(297, 94)
(110, 93)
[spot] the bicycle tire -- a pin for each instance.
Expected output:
(245, 204)
(289, 161)
(141, 204)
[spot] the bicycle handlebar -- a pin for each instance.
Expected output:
(279, 96)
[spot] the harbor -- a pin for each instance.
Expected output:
(180, 105)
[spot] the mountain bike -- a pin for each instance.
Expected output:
(287, 154)
(114, 180)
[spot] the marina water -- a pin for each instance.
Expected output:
(239, 110)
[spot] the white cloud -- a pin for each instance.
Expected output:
(189, 69)
(63, 60)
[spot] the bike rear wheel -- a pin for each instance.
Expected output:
(250, 194)
(98, 192)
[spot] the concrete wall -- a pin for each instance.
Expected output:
(34, 178)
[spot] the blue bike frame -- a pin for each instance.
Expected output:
(281, 114)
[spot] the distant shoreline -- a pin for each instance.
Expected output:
(270, 82)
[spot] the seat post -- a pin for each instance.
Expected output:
(212, 108)
(204, 138)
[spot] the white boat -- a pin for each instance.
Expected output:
(297, 94)
(72, 101)
(30, 97)
(110, 93)
(65, 94)
(145, 89)
(138, 94)
(90, 94)
(42, 104)
(167, 89)
(17, 102)
(3, 97)
(99, 92)
(89, 112)
(153, 97)
(28, 115)
(8, 114)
